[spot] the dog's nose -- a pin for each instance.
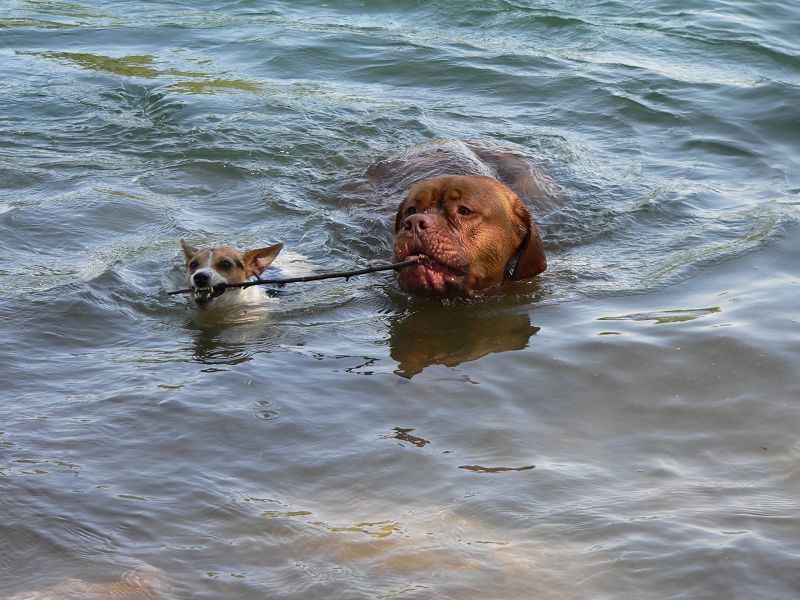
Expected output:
(418, 222)
(201, 279)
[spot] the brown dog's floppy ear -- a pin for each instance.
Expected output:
(188, 251)
(530, 255)
(255, 261)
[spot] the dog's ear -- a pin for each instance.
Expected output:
(530, 254)
(255, 261)
(398, 220)
(188, 250)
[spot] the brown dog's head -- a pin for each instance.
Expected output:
(469, 227)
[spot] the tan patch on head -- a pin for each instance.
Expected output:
(228, 262)
(233, 265)
(197, 260)
(225, 260)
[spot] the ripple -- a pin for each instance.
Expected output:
(263, 410)
(482, 469)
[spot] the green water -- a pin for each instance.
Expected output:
(623, 427)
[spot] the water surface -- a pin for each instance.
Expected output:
(625, 426)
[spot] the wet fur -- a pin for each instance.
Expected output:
(209, 267)
(462, 208)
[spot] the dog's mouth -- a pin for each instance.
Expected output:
(431, 262)
(204, 296)
(431, 276)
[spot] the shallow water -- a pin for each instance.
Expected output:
(623, 427)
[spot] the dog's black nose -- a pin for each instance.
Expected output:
(201, 279)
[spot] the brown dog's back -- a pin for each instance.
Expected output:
(395, 176)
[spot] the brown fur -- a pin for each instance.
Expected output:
(471, 227)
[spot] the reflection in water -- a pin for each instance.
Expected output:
(133, 66)
(405, 435)
(142, 583)
(480, 469)
(448, 334)
(376, 529)
(145, 67)
(211, 347)
(229, 336)
(666, 316)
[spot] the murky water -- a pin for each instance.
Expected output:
(626, 426)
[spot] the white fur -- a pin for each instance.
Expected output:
(290, 264)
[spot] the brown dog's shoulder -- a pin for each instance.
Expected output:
(520, 172)
(523, 174)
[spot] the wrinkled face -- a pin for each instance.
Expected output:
(469, 227)
(208, 268)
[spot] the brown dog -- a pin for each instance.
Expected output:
(462, 210)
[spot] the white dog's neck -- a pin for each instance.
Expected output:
(254, 294)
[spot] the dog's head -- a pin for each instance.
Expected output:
(469, 228)
(209, 267)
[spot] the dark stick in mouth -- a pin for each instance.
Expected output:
(343, 274)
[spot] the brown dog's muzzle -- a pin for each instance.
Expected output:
(445, 272)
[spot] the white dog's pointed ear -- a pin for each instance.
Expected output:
(255, 261)
(188, 250)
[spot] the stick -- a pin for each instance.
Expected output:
(344, 274)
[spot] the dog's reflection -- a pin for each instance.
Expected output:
(426, 333)
(450, 335)
(233, 335)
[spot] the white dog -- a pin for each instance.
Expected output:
(209, 267)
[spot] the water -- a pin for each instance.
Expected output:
(356, 443)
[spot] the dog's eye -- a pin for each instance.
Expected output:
(411, 210)
(194, 264)
(464, 211)
(225, 264)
